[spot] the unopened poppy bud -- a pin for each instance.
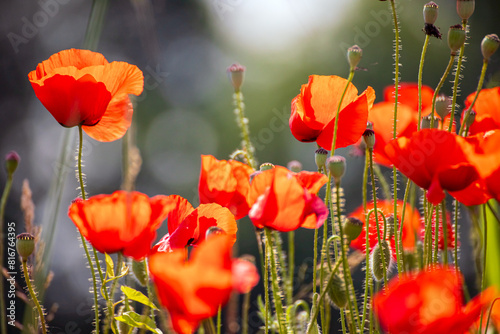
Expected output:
(214, 230)
(336, 165)
(25, 245)
(352, 228)
(465, 8)
(320, 156)
(427, 121)
(430, 12)
(443, 105)
(11, 161)
(378, 266)
(236, 74)
(456, 38)
(354, 54)
(337, 292)
(139, 270)
(266, 166)
(470, 119)
(295, 166)
(390, 226)
(369, 138)
(489, 45)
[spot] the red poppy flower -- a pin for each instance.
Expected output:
(314, 110)
(120, 222)
(487, 108)
(192, 291)
(285, 201)
(450, 231)
(188, 226)
(435, 160)
(427, 303)
(226, 183)
(411, 225)
(80, 87)
(245, 275)
(408, 96)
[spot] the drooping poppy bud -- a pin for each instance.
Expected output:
(352, 228)
(379, 264)
(337, 292)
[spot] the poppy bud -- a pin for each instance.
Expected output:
(443, 105)
(236, 75)
(11, 161)
(352, 228)
(337, 292)
(25, 245)
(430, 12)
(390, 226)
(377, 265)
(266, 166)
(489, 45)
(465, 8)
(295, 166)
(139, 270)
(456, 38)
(214, 230)
(320, 156)
(426, 122)
(336, 166)
(354, 54)
(369, 138)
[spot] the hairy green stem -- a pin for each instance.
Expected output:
(440, 84)
(33, 297)
(243, 125)
(291, 266)
(420, 70)
(445, 232)
(244, 313)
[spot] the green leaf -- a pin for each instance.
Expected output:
(137, 296)
(110, 267)
(140, 321)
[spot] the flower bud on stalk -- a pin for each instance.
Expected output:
(378, 266)
(489, 45)
(352, 228)
(465, 8)
(337, 292)
(236, 75)
(354, 54)
(11, 162)
(456, 38)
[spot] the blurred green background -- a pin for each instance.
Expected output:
(184, 48)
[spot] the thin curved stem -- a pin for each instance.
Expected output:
(335, 128)
(33, 297)
(440, 84)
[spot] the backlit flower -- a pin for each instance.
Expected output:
(314, 110)
(226, 183)
(435, 160)
(428, 302)
(411, 225)
(245, 275)
(121, 222)
(188, 226)
(193, 290)
(285, 201)
(487, 108)
(80, 87)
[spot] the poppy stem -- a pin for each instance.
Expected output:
(291, 266)
(335, 128)
(436, 235)
(33, 297)
(445, 232)
(485, 245)
(457, 78)
(84, 243)
(274, 277)
(439, 86)
(420, 70)
(244, 313)
(455, 250)
(478, 90)
(242, 121)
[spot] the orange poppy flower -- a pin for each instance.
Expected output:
(285, 201)
(120, 222)
(428, 302)
(411, 225)
(80, 87)
(314, 110)
(192, 291)
(188, 226)
(245, 275)
(408, 96)
(435, 160)
(226, 183)
(487, 108)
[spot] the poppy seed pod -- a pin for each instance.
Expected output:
(431, 10)
(425, 123)
(471, 118)
(11, 161)
(266, 166)
(236, 75)
(337, 292)
(354, 54)
(352, 228)
(369, 138)
(25, 245)
(379, 265)
(336, 165)
(456, 38)
(443, 105)
(295, 166)
(320, 156)
(489, 45)
(465, 8)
